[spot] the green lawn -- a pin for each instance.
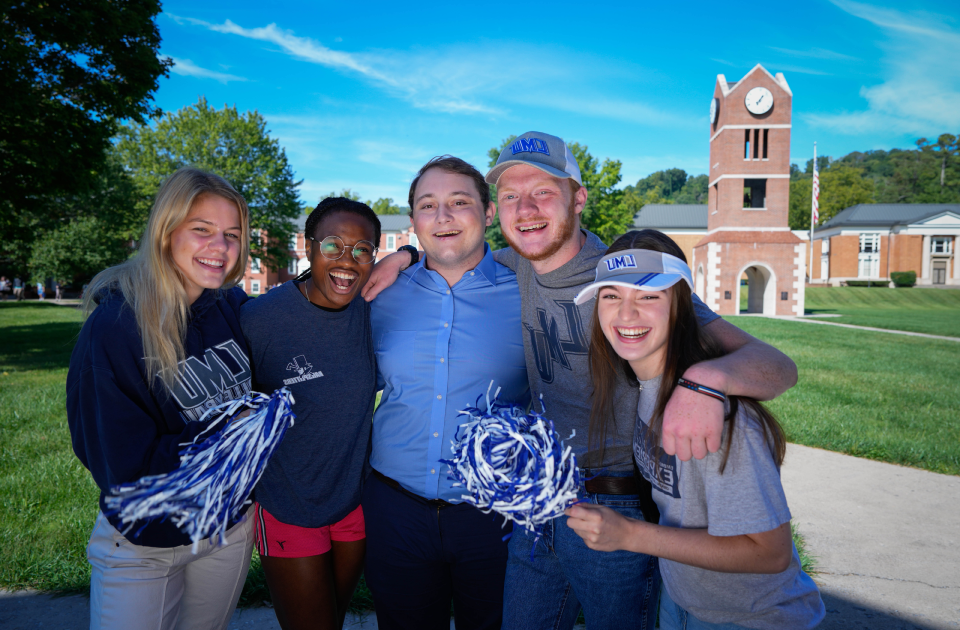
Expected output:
(931, 311)
(886, 397)
(892, 398)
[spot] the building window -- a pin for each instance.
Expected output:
(255, 287)
(746, 144)
(293, 242)
(869, 259)
(825, 246)
(255, 266)
(391, 242)
(292, 267)
(414, 241)
(766, 138)
(940, 245)
(754, 193)
(756, 144)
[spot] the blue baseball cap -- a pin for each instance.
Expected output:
(548, 153)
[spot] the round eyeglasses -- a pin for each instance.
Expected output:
(332, 248)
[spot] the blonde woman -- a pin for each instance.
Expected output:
(160, 345)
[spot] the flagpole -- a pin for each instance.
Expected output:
(813, 209)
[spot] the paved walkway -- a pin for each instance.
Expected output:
(886, 539)
(809, 320)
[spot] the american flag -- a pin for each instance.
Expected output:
(816, 188)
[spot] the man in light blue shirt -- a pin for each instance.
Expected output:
(442, 333)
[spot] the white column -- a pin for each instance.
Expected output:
(713, 278)
(799, 272)
(956, 262)
(925, 264)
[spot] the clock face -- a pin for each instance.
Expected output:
(759, 100)
(714, 108)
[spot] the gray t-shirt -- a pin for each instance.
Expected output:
(556, 340)
(326, 360)
(746, 499)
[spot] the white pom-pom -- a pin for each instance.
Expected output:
(217, 472)
(512, 462)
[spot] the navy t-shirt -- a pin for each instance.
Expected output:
(326, 360)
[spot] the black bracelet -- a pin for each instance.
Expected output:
(702, 389)
(414, 254)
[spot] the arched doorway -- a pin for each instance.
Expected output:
(761, 289)
(698, 283)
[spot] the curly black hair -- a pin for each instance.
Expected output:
(331, 205)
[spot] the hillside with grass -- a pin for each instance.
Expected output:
(930, 311)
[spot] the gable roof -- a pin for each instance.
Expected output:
(662, 216)
(726, 87)
(888, 214)
(394, 222)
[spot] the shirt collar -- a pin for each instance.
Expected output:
(487, 268)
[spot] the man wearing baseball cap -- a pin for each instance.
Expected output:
(540, 198)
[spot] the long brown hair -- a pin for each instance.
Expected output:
(687, 344)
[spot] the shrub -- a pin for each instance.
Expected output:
(904, 278)
(867, 283)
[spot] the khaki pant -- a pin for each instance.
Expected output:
(150, 588)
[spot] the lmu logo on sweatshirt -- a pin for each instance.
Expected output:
(206, 382)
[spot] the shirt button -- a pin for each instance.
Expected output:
(448, 291)
(471, 273)
(441, 359)
(432, 471)
(435, 434)
(439, 396)
(445, 324)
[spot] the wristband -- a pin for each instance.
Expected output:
(414, 254)
(702, 389)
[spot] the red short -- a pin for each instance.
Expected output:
(279, 540)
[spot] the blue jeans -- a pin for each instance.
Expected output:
(617, 590)
(673, 617)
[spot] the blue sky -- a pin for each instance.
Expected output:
(362, 94)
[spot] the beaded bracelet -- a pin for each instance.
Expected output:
(702, 389)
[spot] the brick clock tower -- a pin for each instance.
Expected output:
(749, 198)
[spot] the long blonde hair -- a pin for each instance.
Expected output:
(150, 281)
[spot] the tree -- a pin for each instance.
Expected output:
(68, 71)
(233, 145)
(99, 232)
(385, 205)
(607, 213)
(841, 186)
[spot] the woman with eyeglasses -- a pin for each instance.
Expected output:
(312, 335)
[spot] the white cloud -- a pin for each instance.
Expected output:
(815, 53)
(920, 93)
(187, 68)
(486, 81)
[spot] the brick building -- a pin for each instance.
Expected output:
(395, 231)
(749, 193)
(870, 241)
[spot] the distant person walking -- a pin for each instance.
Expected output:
(40, 290)
(4, 287)
(58, 289)
(17, 289)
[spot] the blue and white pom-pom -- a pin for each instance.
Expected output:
(513, 462)
(217, 472)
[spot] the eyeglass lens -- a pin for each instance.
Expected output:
(332, 247)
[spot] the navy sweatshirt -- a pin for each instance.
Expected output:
(122, 429)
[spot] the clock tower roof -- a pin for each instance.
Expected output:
(726, 88)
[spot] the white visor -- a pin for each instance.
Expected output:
(637, 269)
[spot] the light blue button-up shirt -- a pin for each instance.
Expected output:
(438, 347)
